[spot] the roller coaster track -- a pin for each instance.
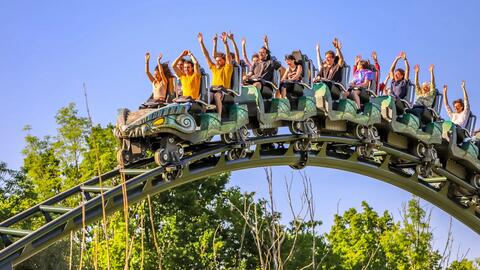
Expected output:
(298, 151)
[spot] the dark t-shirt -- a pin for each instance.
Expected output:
(400, 88)
(264, 69)
(332, 73)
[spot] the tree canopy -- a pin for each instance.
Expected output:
(204, 224)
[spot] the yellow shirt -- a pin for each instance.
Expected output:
(222, 76)
(191, 85)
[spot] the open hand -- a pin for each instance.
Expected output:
(224, 37)
(317, 47)
(416, 68)
(445, 87)
(431, 67)
(374, 56)
(200, 37)
(230, 35)
(265, 39)
(337, 43)
(358, 58)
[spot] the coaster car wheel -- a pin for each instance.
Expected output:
(180, 152)
(301, 145)
(232, 154)
(424, 171)
(243, 133)
(124, 156)
(310, 126)
(161, 157)
(360, 132)
(295, 127)
(258, 132)
(475, 181)
(362, 151)
(420, 150)
(228, 138)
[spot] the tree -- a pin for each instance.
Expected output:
(355, 238)
(204, 224)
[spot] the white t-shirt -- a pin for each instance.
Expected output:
(460, 118)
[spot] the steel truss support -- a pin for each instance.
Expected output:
(296, 151)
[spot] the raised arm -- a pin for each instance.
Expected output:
(177, 71)
(432, 77)
(394, 64)
(147, 68)
(228, 58)
(214, 51)
(265, 42)
(416, 68)
(319, 57)
(355, 63)
(445, 101)
(196, 67)
(161, 71)
(407, 66)
(204, 50)
(338, 47)
(465, 97)
(377, 67)
(244, 52)
(235, 48)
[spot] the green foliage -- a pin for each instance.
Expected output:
(355, 238)
(198, 225)
(16, 192)
(464, 265)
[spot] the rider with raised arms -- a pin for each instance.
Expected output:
(462, 107)
(158, 79)
(263, 71)
(330, 69)
(190, 77)
(400, 78)
(222, 71)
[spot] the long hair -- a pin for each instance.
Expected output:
(268, 53)
(168, 73)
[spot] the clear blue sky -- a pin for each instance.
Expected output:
(49, 48)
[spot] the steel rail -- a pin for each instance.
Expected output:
(195, 167)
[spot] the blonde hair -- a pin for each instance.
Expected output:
(424, 88)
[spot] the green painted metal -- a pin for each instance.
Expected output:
(14, 232)
(55, 209)
(346, 108)
(133, 171)
(465, 152)
(408, 124)
(395, 159)
(208, 162)
(95, 189)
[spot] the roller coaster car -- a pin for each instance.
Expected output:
(329, 101)
(459, 148)
(298, 111)
(150, 103)
(167, 130)
(406, 130)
